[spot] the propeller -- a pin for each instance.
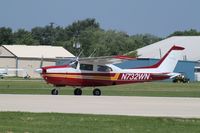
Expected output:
(41, 62)
(39, 70)
(76, 59)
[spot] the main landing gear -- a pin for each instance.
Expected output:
(96, 92)
(77, 91)
(54, 91)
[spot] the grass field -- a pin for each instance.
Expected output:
(141, 89)
(16, 122)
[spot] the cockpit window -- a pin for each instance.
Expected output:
(88, 67)
(101, 68)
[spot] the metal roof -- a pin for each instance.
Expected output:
(25, 51)
(158, 49)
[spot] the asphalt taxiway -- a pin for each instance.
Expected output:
(108, 105)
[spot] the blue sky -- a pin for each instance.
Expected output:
(158, 17)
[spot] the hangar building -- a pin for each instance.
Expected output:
(158, 49)
(28, 58)
(189, 62)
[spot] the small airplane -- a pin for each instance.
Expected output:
(100, 71)
(5, 72)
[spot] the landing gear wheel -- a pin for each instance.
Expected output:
(96, 92)
(54, 92)
(77, 91)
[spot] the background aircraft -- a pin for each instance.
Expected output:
(4, 72)
(93, 72)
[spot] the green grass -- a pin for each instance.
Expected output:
(18, 122)
(139, 89)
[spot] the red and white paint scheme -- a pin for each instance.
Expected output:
(95, 72)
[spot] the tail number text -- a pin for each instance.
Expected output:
(135, 76)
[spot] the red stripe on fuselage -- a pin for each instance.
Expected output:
(85, 82)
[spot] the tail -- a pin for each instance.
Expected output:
(168, 62)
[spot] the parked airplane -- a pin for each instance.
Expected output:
(93, 72)
(5, 71)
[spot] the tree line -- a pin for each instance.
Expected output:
(82, 35)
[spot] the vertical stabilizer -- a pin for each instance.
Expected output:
(168, 62)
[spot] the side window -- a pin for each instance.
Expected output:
(197, 70)
(101, 68)
(88, 67)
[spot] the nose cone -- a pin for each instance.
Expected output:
(39, 70)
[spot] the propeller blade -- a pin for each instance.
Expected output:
(39, 70)
(41, 62)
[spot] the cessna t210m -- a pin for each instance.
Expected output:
(94, 72)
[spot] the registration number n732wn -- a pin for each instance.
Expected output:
(135, 76)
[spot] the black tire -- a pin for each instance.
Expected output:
(54, 92)
(96, 92)
(77, 91)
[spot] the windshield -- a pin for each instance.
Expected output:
(74, 64)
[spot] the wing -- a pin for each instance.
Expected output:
(105, 59)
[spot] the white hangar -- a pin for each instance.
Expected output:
(28, 58)
(158, 49)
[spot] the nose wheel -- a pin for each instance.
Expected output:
(54, 92)
(96, 92)
(77, 91)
